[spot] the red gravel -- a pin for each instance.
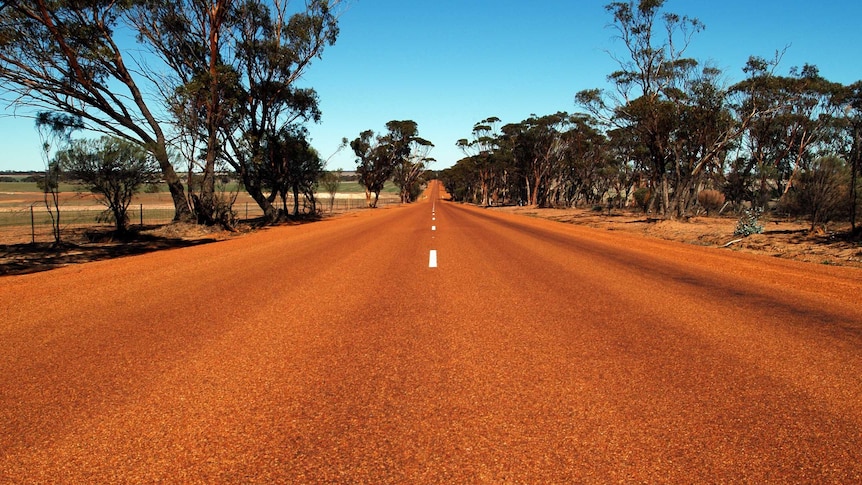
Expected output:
(536, 352)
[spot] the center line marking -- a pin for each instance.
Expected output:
(433, 228)
(432, 259)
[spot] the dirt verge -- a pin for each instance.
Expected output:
(782, 238)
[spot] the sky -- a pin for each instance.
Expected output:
(448, 64)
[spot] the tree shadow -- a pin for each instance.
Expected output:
(86, 246)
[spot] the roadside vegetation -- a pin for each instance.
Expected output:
(673, 139)
(216, 110)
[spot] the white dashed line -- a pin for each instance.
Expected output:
(433, 228)
(432, 259)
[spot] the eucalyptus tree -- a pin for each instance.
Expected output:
(55, 131)
(655, 66)
(704, 133)
(676, 110)
(64, 56)
(461, 181)
(234, 67)
(851, 100)
(374, 166)
(297, 169)
(586, 173)
(399, 154)
(190, 37)
(331, 181)
(482, 148)
(821, 190)
(411, 158)
(792, 117)
(539, 146)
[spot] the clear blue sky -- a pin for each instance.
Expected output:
(450, 63)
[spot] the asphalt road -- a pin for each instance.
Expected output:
(534, 352)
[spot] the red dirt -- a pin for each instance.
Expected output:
(536, 352)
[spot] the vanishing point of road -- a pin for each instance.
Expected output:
(432, 343)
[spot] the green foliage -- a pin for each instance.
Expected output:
(749, 223)
(642, 196)
(330, 181)
(50, 181)
(821, 192)
(113, 168)
(399, 154)
(294, 167)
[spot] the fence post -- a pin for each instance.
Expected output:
(246, 211)
(32, 227)
(142, 215)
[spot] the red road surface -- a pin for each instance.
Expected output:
(535, 352)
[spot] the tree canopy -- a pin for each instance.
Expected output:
(668, 128)
(226, 82)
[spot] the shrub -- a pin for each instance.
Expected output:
(821, 192)
(113, 168)
(710, 200)
(642, 198)
(749, 223)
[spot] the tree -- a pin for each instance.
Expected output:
(792, 115)
(63, 56)
(400, 152)
(538, 147)
(654, 68)
(331, 181)
(584, 172)
(113, 168)
(852, 101)
(820, 191)
(482, 147)
(296, 168)
(675, 111)
(374, 166)
(231, 69)
(410, 157)
(53, 128)
(235, 65)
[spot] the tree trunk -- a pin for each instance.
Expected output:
(182, 211)
(854, 174)
(270, 212)
(534, 196)
(484, 176)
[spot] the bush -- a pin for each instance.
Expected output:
(749, 223)
(821, 192)
(113, 168)
(642, 198)
(710, 200)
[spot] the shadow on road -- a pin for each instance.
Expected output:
(85, 247)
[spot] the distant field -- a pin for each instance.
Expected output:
(24, 218)
(32, 187)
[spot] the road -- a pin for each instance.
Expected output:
(534, 352)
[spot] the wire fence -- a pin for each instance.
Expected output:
(33, 223)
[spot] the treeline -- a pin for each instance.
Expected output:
(399, 154)
(671, 137)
